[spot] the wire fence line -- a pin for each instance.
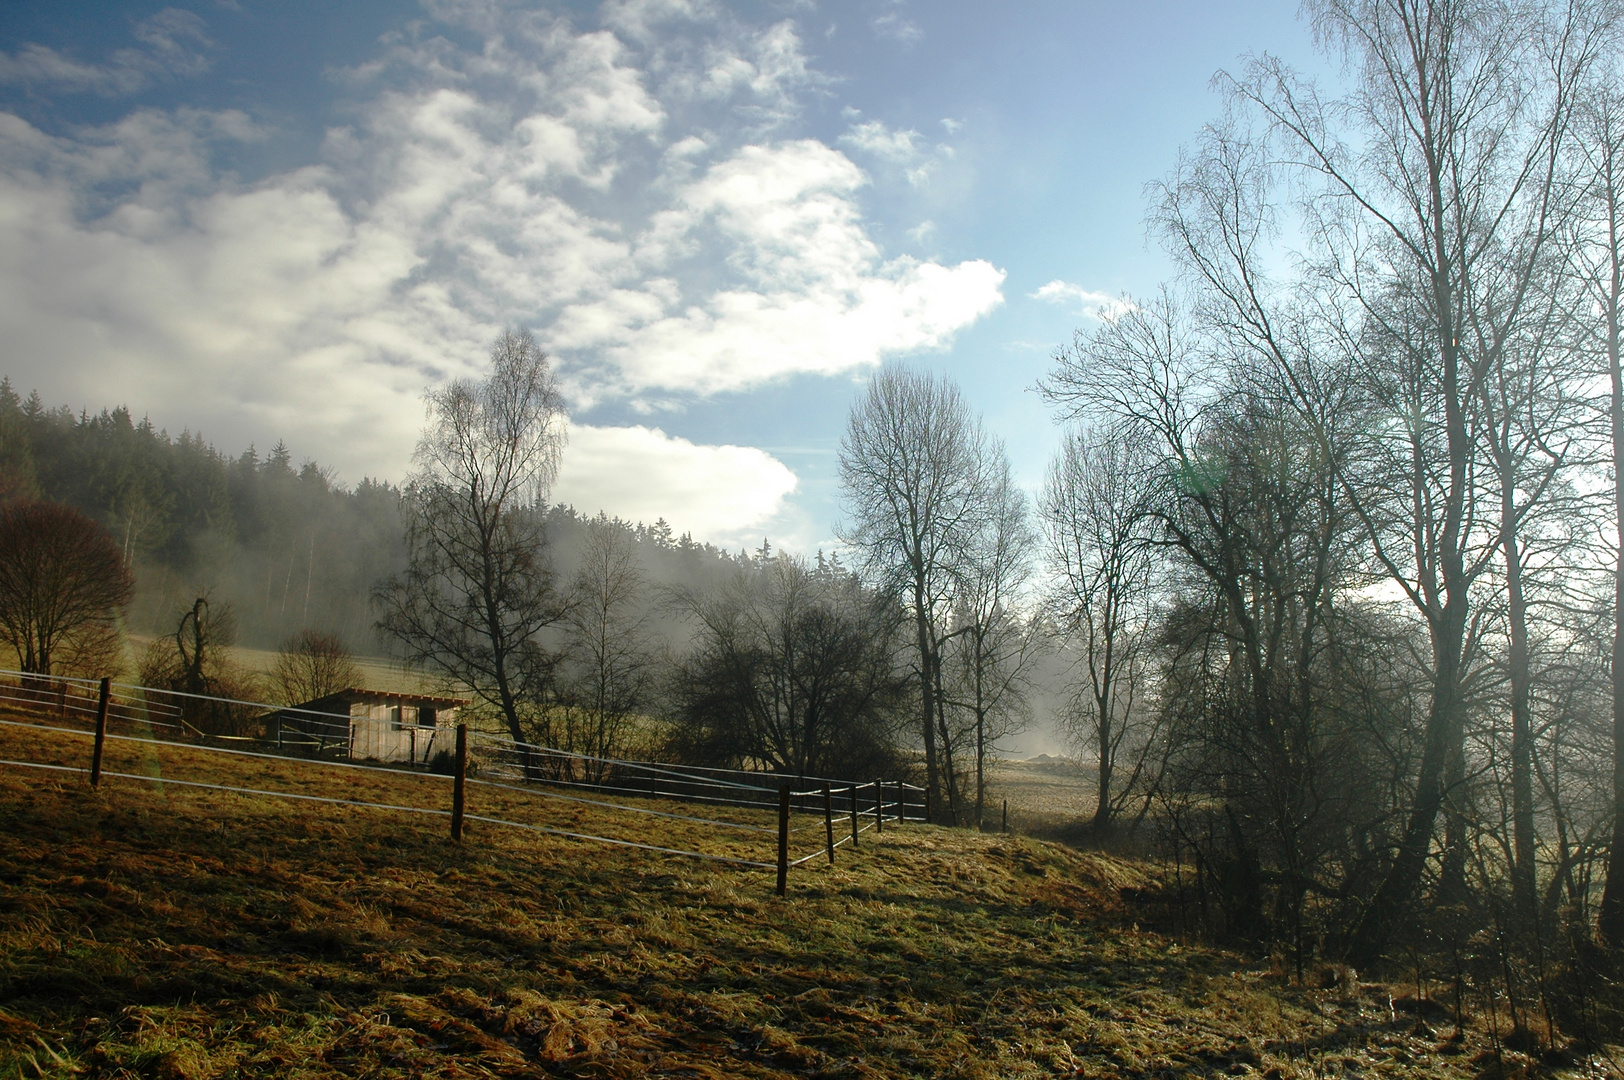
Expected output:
(727, 801)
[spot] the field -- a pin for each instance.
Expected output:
(1048, 796)
(377, 673)
(163, 931)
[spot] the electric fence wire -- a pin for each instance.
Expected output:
(403, 809)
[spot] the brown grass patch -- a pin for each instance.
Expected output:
(161, 931)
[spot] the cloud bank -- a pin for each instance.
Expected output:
(723, 494)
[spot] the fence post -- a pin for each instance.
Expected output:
(852, 791)
(879, 807)
(457, 782)
(101, 731)
(1006, 816)
(783, 838)
(829, 822)
(902, 803)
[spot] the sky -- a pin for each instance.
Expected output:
(266, 221)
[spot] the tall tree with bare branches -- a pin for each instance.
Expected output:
(1430, 203)
(1095, 512)
(1599, 262)
(911, 476)
(478, 587)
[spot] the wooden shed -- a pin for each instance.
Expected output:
(372, 725)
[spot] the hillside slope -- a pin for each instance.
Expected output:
(154, 930)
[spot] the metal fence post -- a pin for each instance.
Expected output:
(879, 807)
(783, 838)
(829, 823)
(458, 782)
(852, 791)
(101, 731)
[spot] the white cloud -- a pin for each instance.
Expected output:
(173, 44)
(620, 190)
(813, 293)
(898, 149)
(724, 494)
(875, 138)
(1090, 305)
(894, 24)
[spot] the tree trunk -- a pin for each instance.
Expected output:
(1445, 729)
(1610, 919)
(927, 700)
(1523, 886)
(1398, 888)
(1102, 807)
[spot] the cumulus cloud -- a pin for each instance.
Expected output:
(725, 494)
(1090, 305)
(627, 191)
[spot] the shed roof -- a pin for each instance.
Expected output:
(386, 697)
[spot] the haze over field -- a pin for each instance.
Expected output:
(283, 222)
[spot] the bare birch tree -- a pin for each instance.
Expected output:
(607, 653)
(1095, 514)
(1430, 200)
(911, 481)
(993, 645)
(1599, 262)
(478, 588)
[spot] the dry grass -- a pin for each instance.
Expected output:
(1046, 794)
(151, 930)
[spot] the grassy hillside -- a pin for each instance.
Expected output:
(155, 930)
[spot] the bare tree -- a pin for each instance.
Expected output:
(793, 668)
(195, 663)
(911, 479)
(1248, 499)
(478, 588)
(1095, 512)
(991, 647)
(1599, 259)
(311, 665)
(62, 578)
(1430, 200)
(608, 657)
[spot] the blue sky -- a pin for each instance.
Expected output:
(284, 220)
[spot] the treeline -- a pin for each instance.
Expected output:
(621, 638)
(277, 540)
(1336, 523)
(569, 637)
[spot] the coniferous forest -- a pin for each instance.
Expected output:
(269, 533)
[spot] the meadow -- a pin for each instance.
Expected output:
(158, 930)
